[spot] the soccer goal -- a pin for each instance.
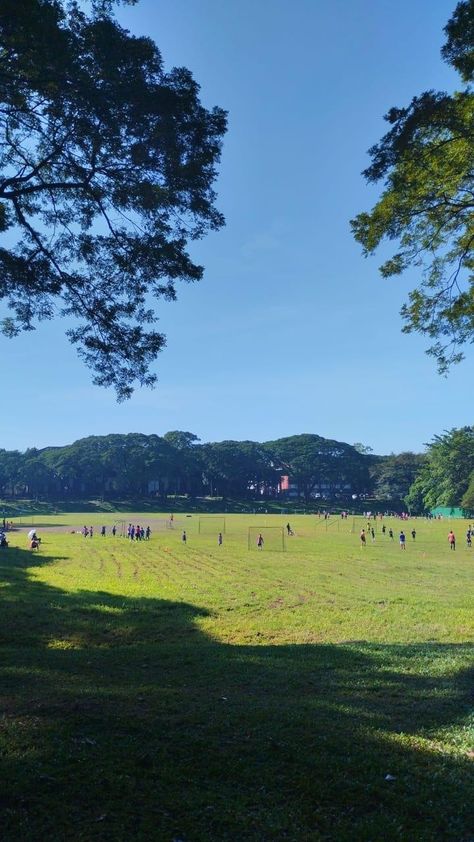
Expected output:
(121, 528)
(266, 538)
(211, 525)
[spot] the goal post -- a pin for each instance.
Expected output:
(211, 524)
(266, 538)
(121, 527)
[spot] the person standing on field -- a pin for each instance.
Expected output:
(452, 540)
(260, 541)
(219, 539)
(183, 536)
(362, 537)
(402, 540)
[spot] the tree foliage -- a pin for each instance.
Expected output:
(107, 163)
(394, 475)
(447, 471)
(426, 165)
(235, 468)
(137, 464)
(467, 501)
(319, 465)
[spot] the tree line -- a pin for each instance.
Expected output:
(178, 463)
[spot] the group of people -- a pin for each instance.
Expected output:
(134, 533)
(138, 533)
(452, 538)
(34, 540)
(371, 532)
(6, 526)
(88, 531)
(402, 536)
(220, 539)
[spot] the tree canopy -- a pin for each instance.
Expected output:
(447, 471)
(319, 469)
(393, 475)
(107, 165)
(137, 464)
(426, 165)
(320, 465)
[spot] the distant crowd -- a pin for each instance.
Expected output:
(134, 533)
(402, 537)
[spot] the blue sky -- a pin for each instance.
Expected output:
(291, 329)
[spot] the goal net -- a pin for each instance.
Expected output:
(120, 528)
(266, 538)
(211, 525)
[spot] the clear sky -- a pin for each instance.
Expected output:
(291, 329)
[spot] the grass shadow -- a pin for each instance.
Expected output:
(121, 720)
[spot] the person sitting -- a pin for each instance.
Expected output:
(34, 539)
(3, 541)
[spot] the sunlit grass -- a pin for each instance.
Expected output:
(156, 690)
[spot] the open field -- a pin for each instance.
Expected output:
(161, 691)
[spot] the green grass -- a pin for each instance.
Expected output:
(155, 691)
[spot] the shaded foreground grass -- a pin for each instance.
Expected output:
(130, 711)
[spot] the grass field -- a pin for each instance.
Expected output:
(162, 691)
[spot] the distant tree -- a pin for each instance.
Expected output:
(365, 449)
(467, 501)
(110, 464)
(186, 471)
(394, 475)
(415, 498)
(10, 471)
(65, 462)
(447, 471)
(319, 465)
(36, 478)
(181, 440)
(237, 467)
(426, 164)
(107, 164)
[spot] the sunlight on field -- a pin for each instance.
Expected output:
(324, 586)
(162, 667)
